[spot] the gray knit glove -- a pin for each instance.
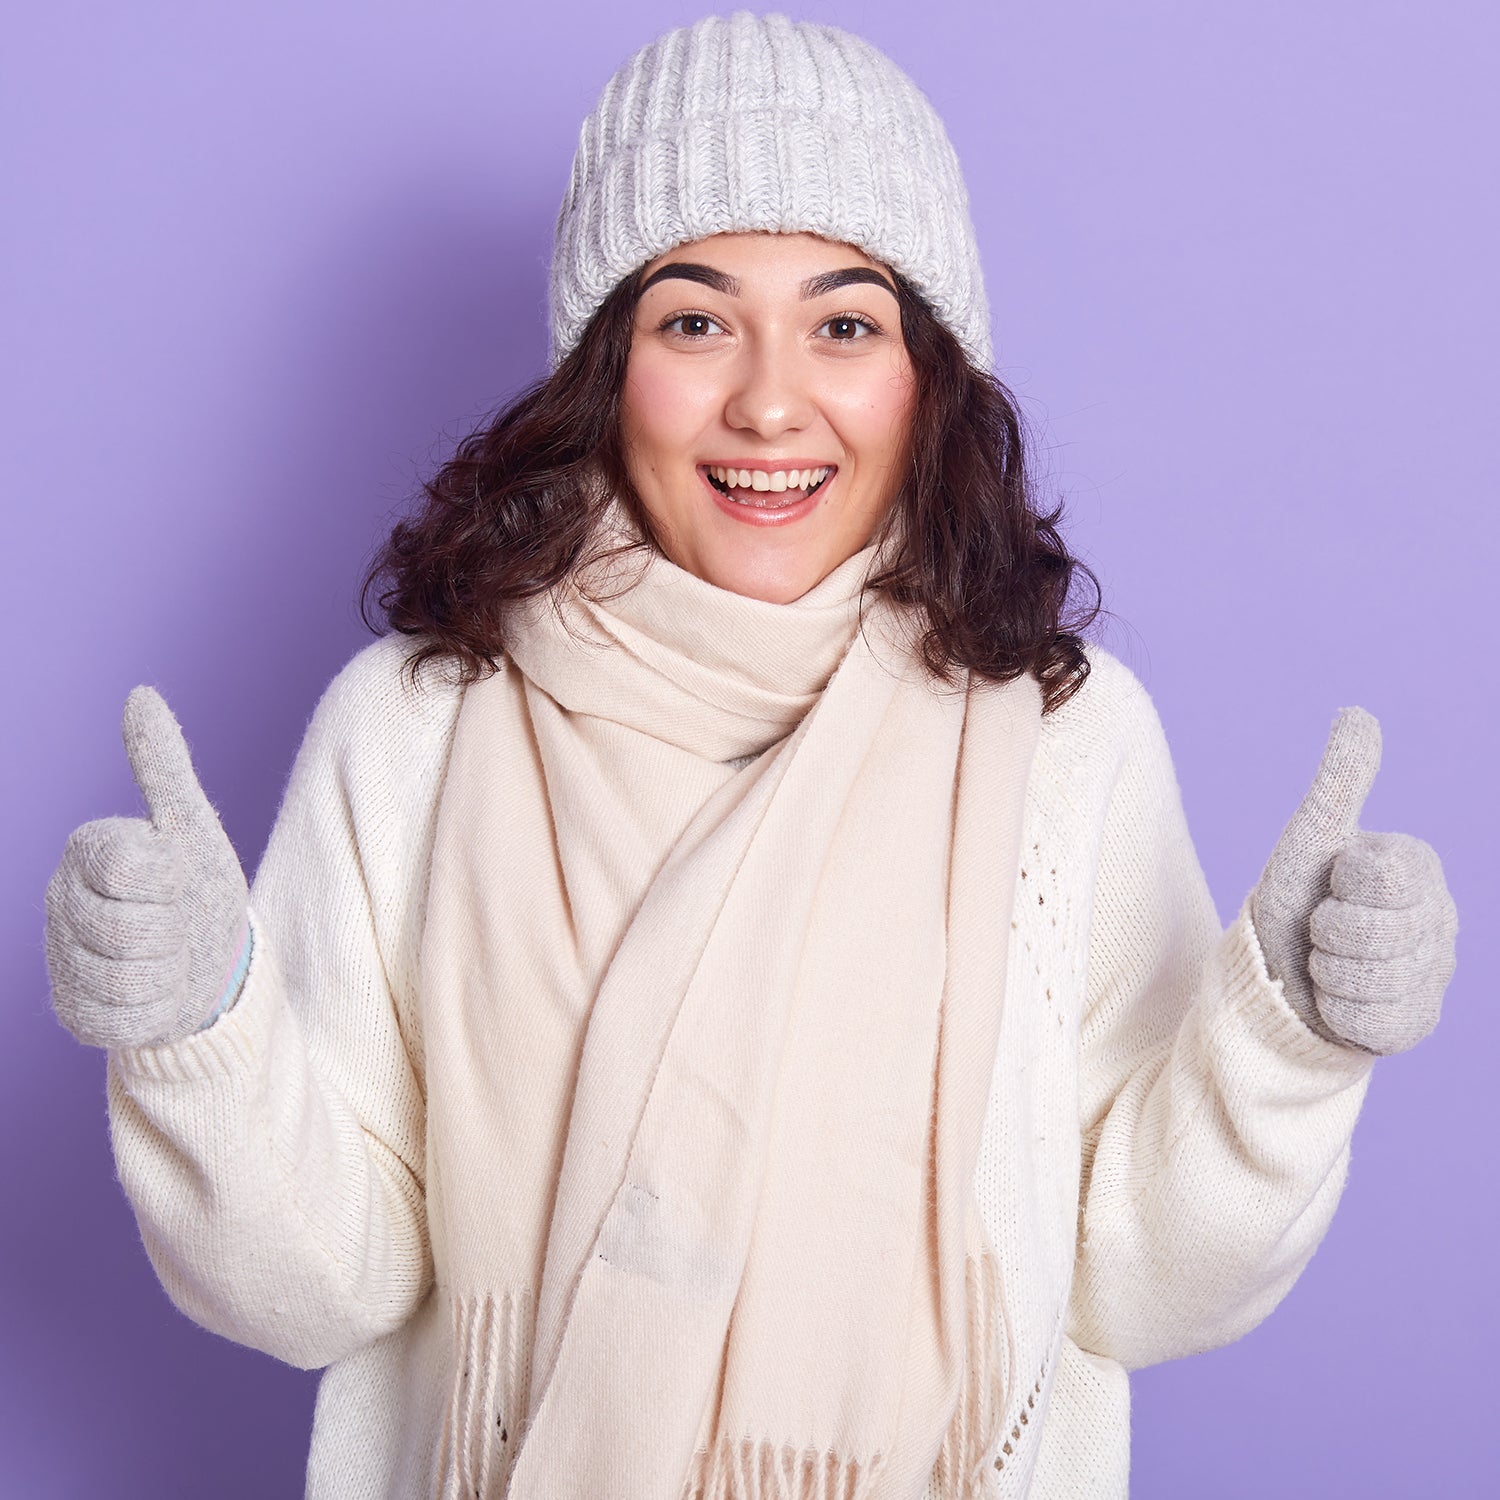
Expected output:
(147, 922)
(1358, 927)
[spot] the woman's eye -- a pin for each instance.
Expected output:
(846, 328)
(692, 325)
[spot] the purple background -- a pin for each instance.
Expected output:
(264, 264)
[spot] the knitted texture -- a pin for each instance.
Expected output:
(762, 123)
(1163, 1148)
(1359, 927)
(147, 933)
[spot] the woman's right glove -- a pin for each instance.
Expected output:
(147, 921)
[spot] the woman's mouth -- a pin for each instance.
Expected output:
(767, 489)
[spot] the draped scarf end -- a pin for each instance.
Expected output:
(965, 1463)
(751, 1470)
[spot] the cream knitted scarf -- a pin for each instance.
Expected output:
(724, 1038)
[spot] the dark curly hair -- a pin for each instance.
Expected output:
(515, 512)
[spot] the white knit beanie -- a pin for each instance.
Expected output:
(763, 123)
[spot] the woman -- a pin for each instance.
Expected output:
(730, 1006)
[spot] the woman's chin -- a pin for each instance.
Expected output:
(773, 580)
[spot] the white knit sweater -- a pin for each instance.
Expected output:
(1189, 1132)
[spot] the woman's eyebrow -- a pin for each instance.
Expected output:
(720, 281)
(689, 270)
(831, 281)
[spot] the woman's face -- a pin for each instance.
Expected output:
(755, 359)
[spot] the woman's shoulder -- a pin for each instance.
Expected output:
(379, 708)
(1110, 708)
(1106, 735)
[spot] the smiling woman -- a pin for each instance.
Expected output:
(785, 392)
(799, 355)
(749, 1021)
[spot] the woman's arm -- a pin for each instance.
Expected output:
(275, 1159)
(1215, 1122)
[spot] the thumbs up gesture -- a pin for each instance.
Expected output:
(1358, 927)
(147, 919)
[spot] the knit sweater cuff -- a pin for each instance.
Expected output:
(1261, 1001)
(228, 1046)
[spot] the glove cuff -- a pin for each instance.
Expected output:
(234, 977)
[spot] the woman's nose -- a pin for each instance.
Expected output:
(769, 397)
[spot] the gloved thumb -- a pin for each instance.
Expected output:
(1328, 816)
(1296, 877)
(162, 765)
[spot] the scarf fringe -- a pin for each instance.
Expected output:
(964, 1469)
(491, 1342)
(750, 1470)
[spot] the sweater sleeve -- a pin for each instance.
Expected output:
(1215, 1124)
(275, 1160)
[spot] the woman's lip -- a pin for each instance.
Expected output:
(768, 515)
(768, 466)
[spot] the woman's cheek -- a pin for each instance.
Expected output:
(661, 402)
(875, 408)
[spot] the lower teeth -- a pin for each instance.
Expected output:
(767, 499)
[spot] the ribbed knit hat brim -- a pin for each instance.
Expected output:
(762, 123)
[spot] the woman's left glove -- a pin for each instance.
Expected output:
(1358, 927)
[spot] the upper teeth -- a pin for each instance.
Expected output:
(776, 479)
